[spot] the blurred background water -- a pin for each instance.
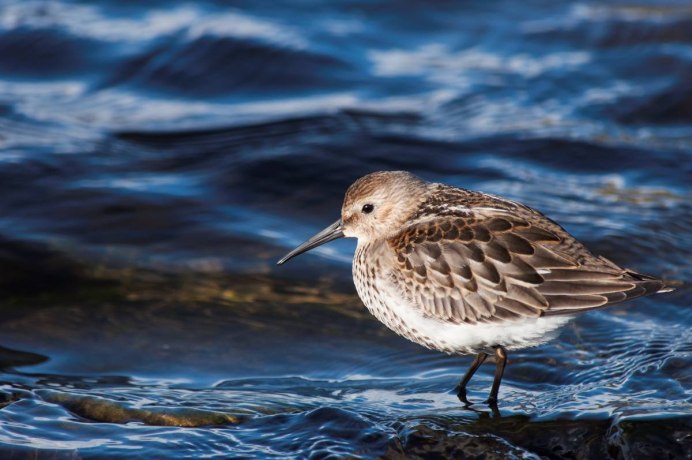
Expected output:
(156, 158)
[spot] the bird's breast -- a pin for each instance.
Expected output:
(388, 304)
(369, 277)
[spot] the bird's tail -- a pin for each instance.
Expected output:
(646, 285)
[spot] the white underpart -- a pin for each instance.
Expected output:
(407, 320)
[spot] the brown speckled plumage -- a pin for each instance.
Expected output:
(467, 272)
(495, 260)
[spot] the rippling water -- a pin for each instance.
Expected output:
(156, 160)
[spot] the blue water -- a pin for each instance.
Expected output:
(157, 158)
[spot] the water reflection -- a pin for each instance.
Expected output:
(156, 159)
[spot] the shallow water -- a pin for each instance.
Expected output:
(155, 161)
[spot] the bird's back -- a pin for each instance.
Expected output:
(469, 257)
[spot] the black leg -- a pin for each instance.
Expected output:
(461, 388)
(500, 363)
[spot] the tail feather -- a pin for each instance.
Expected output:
(645, 285)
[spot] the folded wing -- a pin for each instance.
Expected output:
(491, 265)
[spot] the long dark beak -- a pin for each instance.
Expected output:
(330, 233)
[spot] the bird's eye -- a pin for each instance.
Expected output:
(367, 208)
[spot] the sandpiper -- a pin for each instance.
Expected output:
(465, 272)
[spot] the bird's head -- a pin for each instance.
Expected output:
(375, 206)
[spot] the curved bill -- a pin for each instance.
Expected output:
(330, 233)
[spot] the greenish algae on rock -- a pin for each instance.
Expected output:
(109, 411)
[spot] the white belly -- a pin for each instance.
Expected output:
(408, 321)
(387, 303)
(448, 337)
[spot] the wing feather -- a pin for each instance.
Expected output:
(501, 264)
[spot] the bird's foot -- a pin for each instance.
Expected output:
(491, 401)
(461, 394)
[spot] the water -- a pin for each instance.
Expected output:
(155, 161)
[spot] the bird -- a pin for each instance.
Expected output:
(469, 273)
